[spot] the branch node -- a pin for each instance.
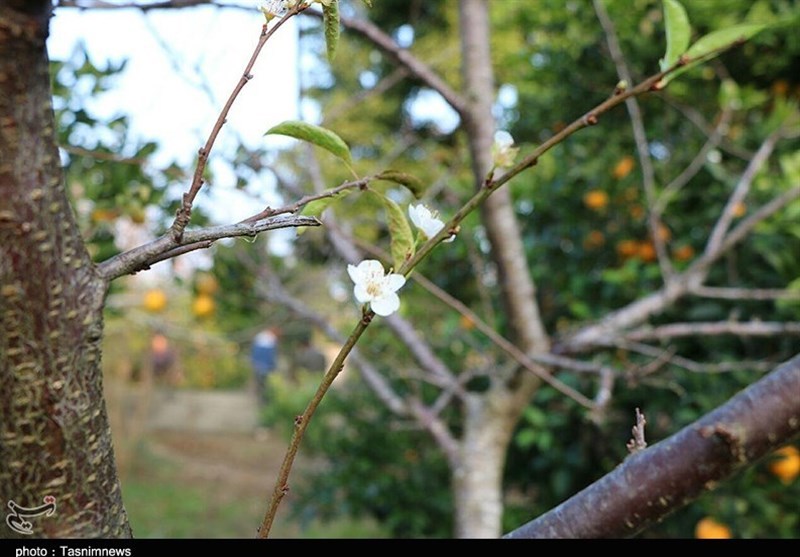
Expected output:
(637, 443)
(590, 119)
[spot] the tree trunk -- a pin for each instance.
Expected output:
(489, 421)
(491, 417)
(55, 440)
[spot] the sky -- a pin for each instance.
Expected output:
(182, 66)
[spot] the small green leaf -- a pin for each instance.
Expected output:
(402, 245)
(412, 183)
(317, 207)
(715, 43)
(317, 135)
(678, 32)
(330, 18)
(722, 39)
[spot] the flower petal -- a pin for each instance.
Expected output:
(361, 294)
(393, 282)
(385, 305)
(355, 273)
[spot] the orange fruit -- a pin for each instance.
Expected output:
(646, 252)
(636, 212)
(155, 300)
(683, 253)
(623, 167)
(594, 239)
(787, 466)
(595, 199)
(739, 210)
(206, 283)
(627, 248)
(203, 306)
(709, 529)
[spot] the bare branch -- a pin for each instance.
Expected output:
(143, 256)
(184, 213)
(745, 293)
(743, 329)
(651, 484)
(640, 310)
(640, 138)
(637, 443)
(145, 7)
(697, 163)
(714, 244)
(692, 365)
(404, 58)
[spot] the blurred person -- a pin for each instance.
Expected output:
(264, 359)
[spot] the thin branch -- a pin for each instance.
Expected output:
(637, 442)
(143, 256)
(184, 214)
(697, 163)
(404, 58)
(302, 421)
(743, 329)
(745, 293)
(692, 365)
(145, 7)
(640, 138)
(740, 191)
(649, 485)
(640, 310)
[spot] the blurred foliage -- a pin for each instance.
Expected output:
(110, 175)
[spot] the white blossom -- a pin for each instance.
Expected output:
(427, 221)
(275, 8)
(503, 151)
(374, 286)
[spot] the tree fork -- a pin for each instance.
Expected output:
(55, 439)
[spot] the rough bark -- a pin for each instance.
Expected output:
(490, 417)
(653, 483)
(55, 438)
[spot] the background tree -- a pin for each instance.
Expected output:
(490, 392)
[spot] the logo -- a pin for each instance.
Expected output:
(16, 520)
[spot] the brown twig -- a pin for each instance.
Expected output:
(184, 213)
(637, 442)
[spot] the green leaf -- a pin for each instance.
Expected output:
(317, 135)
(678, 32)
(715, 43)
(412, 183)
(402, 245)
(330, 18)
(317, 207)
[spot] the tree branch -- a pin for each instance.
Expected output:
(743, 329)
(745, 293)
(651, 484)
(143, 256)
(640, 138)
(642, 309)
(404, 58)
(184, 213)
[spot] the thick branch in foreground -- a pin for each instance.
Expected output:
(653, 483)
